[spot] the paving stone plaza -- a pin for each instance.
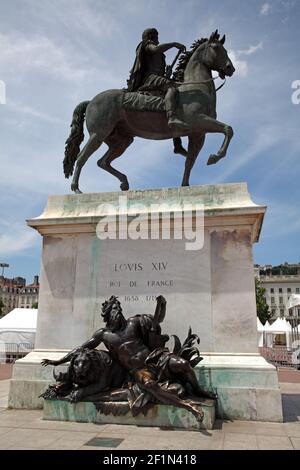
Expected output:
(25, 429)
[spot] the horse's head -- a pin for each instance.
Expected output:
(215, 56)
(210, 52)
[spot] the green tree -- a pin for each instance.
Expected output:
(262, 307)
(35, 305)
(1, 308)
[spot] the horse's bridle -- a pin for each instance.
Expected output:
(204, 81)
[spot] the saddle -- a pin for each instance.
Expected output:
(138, 101)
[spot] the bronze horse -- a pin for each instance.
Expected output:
(107, 120)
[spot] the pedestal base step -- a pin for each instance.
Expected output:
(158, 415)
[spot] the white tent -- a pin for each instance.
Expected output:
(267, 338)
(260, 326)
(294, 301)
(279, 327)
(18, 327)
(260, 330)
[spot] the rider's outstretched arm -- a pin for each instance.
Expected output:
(92, 343)
(152, 48)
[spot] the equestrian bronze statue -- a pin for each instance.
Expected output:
(136, 371)
(154, 107)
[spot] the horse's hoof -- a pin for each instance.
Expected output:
(185, 184)
(213, 159)
(124, 186)
(180, 151)
(76, 190)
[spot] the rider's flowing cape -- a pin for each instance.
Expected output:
(136, 73)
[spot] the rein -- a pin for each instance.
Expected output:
(209, 79)
(204, 81)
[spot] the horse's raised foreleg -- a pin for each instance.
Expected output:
(117, 146)
(91, 146)
(178, 147)
(211, 125)
(195, 145)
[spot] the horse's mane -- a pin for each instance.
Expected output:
(184, 59)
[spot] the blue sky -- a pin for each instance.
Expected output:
(54, 54)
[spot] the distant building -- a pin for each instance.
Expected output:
(280, 283)
(29, 294)
(9, 292)
(15, 293)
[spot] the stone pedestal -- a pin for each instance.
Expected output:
(158, 415)
(210, 289)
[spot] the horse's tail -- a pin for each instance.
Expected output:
(75, 138)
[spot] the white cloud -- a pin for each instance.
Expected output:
(29, 111)
(241, 66)
(265, 9)
(101, 24)
(265, 138)
(41, 176)
(38, 52)
(282, 219)
(99, 21)
(57, 53)
(15, 238)
(251, 49)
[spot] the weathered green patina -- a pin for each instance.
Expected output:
(158, 416)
